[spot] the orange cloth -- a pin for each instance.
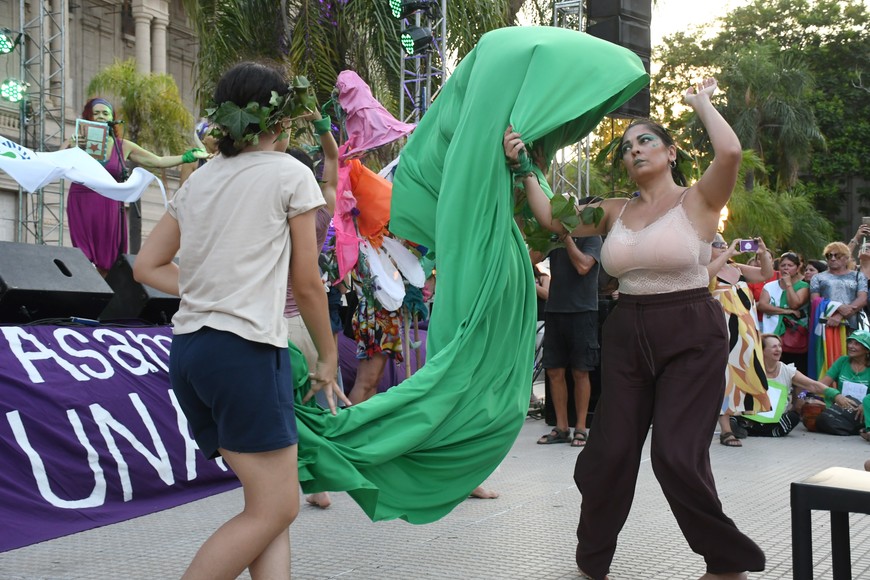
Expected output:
(373, 195)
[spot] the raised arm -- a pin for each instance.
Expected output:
(717, 183)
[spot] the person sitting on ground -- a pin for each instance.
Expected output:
(847, 384)
(785, 380)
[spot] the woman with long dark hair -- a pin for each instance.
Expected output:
(658, 245)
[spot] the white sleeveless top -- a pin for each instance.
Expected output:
(668, 255)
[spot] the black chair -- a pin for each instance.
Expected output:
(839, 490)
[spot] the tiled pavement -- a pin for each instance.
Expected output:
(528, 533)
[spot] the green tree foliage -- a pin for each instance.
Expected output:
(319, 39)
(154, 114)
(784, 65)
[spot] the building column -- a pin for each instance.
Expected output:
(158, 46)
(143, 43)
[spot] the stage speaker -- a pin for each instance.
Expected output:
(637, 9)
(626, 23)
(133, 300)
(39, 282)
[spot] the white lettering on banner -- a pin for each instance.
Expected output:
(162, 342)
(160, 462)
(97, 496)
(61, 335)
(190, 446)
(14, 336)
(117, 350)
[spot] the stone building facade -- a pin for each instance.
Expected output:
(156, 33)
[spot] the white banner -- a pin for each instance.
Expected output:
(34, 170)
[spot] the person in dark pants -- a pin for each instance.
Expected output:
(571, 337)
(664, 345)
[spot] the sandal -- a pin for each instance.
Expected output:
(555, 436)
(579, 439)
(728, 439)
(865, 434)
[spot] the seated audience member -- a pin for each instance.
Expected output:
(846, 398)
(784, 381)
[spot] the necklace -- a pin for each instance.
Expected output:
(772, 371)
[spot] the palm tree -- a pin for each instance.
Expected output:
(768, 105)
(319, 39)
(154, 117)
(154, 114)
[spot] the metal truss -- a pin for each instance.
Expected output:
(421, 71)
(43, 29)
(570, 167)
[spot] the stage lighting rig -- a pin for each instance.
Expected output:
(8, 40)
(405, 8)
(416, 40)
(13, 90)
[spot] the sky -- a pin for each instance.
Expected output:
(670, 16)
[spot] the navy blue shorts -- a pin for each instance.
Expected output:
(236, 394)
(571, 341)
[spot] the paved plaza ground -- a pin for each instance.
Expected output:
(528, 533)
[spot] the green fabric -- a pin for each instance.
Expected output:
(774, 415)
(419, 449)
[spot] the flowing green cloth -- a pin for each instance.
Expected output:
(419, 449)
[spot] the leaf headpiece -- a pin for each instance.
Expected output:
(244, 124)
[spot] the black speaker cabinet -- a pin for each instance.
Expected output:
(133, 300)
(39, 282)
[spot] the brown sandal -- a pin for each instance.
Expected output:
(729, 439)
(555, 436)
(579, 439)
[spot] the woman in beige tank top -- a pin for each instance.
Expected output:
(664, 345)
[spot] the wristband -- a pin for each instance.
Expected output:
(322, 126)
(189, 156)
(523, 166)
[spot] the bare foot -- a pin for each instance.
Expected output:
(320, 500)
(732, 576)
(481, 493)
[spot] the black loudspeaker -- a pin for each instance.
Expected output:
(637, 9)
(133, 300)
(40, 282)
(626, 23)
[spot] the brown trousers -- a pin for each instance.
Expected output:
(663, 362)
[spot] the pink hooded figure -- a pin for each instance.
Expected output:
(368, 124)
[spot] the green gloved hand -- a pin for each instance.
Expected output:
(322, 126)
(190, 155)
(523, 166)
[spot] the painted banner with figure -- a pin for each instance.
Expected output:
(34, 170)
(91, 433)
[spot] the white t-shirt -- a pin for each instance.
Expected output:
(235, 243)
(784, 377)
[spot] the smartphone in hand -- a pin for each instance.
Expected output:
(747, 245)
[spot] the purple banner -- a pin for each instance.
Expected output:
(91, 433)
